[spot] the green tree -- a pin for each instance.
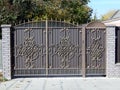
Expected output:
(8, 13)
(70, 10)
(14, 11)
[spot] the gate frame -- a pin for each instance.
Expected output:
(61, 26)
(84, 52)
(98, 25)
(6, 50)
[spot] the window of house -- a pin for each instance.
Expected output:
(117, 44)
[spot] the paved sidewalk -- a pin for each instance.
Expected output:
(61, 84)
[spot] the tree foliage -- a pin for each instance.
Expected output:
(14, 11)
(107, 15)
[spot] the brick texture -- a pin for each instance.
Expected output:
(6, 55)
(112, 69)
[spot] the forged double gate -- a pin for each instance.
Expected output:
(52, 48)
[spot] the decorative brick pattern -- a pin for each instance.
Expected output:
(112, 69)
(6, 55)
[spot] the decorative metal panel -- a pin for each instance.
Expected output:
(53, 48)
(60, 42)
(95, 51)
(65, 56)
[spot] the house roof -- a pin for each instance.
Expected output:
(115, 15)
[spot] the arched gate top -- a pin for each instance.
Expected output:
(51, 23)
(96, 24)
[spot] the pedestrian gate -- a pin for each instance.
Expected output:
(53, 48)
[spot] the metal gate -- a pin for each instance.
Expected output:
(53, 48)
(95, 49)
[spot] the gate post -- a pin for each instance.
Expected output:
(113, 69)
(6, 51)
(47, 47)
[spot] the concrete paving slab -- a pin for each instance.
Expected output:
(36, 84)
(61, 84)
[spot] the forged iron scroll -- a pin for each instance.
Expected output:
(66, 50)
(59, 51)
(96, 49)
(29, 50)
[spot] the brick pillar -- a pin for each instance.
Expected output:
(6, 51)
(113, 69)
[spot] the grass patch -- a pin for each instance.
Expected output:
(1, 77)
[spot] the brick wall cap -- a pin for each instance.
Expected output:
(6, 26)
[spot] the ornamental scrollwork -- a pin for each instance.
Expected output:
(96, 50)
(66, 50)
(29, 50)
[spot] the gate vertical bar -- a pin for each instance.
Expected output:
(47, 47)
(83, 52)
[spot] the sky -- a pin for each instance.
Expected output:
(101, 7)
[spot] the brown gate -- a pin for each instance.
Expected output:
(52, 48)
(95, 49)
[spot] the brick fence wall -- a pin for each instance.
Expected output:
(112, 69)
